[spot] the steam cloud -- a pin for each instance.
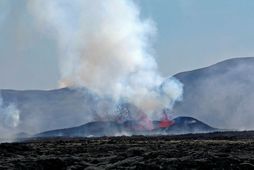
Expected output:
(105, 46)
(9, 115)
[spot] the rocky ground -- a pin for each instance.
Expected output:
(229, 150)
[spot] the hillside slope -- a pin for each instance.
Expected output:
(221, 94)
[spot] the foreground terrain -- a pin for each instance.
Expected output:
(228, 150)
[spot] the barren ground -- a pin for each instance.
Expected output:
(230, 150)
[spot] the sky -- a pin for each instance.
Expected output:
(190, 34)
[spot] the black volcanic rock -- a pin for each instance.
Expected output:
(224, 150)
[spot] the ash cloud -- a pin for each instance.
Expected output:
(105, 46)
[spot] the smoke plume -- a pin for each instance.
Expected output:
(9, 114)
(105, 46)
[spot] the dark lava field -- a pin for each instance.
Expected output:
(219, 150)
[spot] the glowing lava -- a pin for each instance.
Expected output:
(165, 122)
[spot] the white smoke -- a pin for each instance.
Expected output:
(105, 46)
(9, 115)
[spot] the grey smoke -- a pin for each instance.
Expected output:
(9, 120)
(105, 46)
(9, 114)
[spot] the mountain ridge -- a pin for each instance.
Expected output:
(220, 94)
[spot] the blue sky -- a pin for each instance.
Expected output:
(191, 34)
(197, 33)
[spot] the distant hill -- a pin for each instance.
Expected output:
(188, 125)
(45, 110)
(221, 94)
(103, 128)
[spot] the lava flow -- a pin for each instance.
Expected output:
(165, 122)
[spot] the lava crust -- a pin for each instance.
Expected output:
(220, 150)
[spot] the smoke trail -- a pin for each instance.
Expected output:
(9, 115)
(105, 46)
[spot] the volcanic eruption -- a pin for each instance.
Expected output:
(105, 46)
(165, 122)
